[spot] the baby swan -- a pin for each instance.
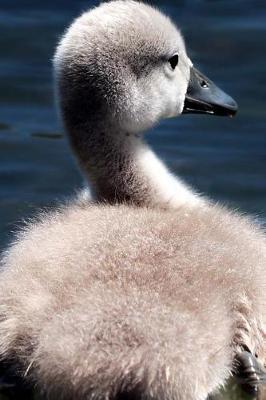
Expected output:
(123, 302)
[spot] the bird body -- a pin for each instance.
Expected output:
(157, 303)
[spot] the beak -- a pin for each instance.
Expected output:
(204, 97)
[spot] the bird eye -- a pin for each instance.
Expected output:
(174, 61)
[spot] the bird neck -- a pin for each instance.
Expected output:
(121, 168)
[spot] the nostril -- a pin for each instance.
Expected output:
(204, 84)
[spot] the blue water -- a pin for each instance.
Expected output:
(225, 158)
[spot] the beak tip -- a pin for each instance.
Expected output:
(232, 108)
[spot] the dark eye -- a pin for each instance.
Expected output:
(174, 61)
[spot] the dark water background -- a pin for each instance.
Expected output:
(225, 158)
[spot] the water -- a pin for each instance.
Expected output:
(225, 158)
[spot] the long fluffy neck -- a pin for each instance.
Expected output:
(122, 168)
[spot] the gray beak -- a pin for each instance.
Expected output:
(204, 97)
